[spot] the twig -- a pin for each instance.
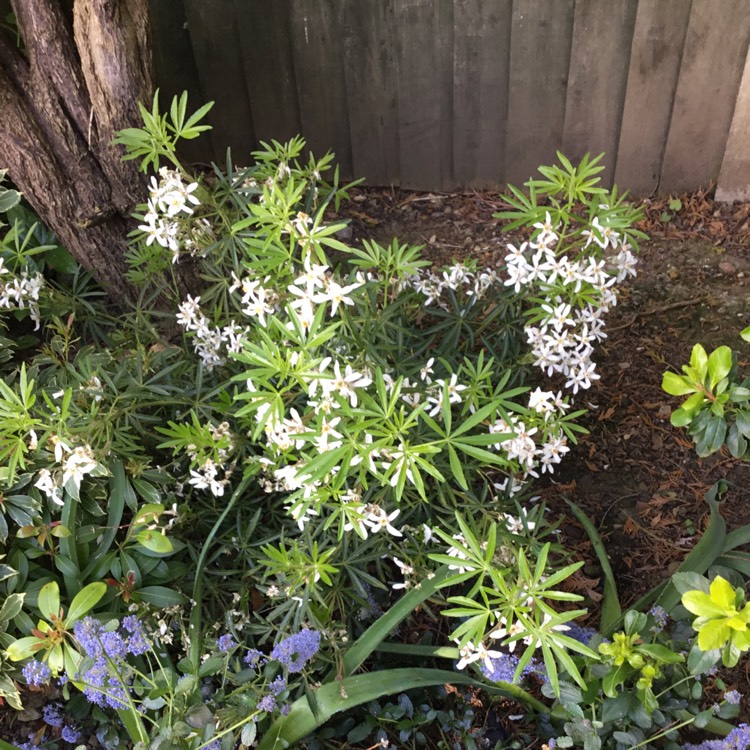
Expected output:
(657, 310)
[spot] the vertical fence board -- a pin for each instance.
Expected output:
(175, 69)
(712, 64)
(481, 58)
(214, 35)
(319, 72)
(734, 178)
(268, 67)
(539, 58)
(424, 40)
(658, 41)
(371, 89)
(599, 61)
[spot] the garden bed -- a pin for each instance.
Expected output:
(637, 477)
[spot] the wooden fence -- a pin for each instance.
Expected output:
(448, 94)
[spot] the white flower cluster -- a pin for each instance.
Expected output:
(206, 476)
(21, 292)
(210, 342)
(75, 464)
(562, 341)
(169, 202)
(456, 278)
(522, 447)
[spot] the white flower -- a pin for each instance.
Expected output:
(323, 441)
(47, 484)
(548, 233)
(508, 632)
(337, 295)
(378, 519)
(78, 463)
(426, 371)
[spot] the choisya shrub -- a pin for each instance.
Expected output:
(288, 431)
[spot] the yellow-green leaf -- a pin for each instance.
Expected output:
(49, 600)
(714, 634)
(23, 648)
(722, 594)
(677, 385)
(701, 604)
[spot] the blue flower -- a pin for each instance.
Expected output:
(254, 658)
(88, 633)
(52, 715)
(294, 652)
(70, 734)
(226, 643)
(733, 697)
(581, 634)
(137, 642)
(36, 673)
(504, 669)
(278, 686)
(267, 703)
(660, 616)
(737, 739)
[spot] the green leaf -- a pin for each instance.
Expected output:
(11, 607)
(49, 601)
(611, 610)
(161, 596)
(385, 624)
(719, 364)
(677, 385)
(85, 600)
(133, 726)
(24, 648)
(155, 541)
(345, 694)
(699, 362)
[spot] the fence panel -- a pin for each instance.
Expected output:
(481, 60)
(540, 39)
(424, 47)
(444, 94)
(370, 70)
(596, 82)
(268, 65)
(734, 179)
(215, 39)
(712, 63)
(658, 41)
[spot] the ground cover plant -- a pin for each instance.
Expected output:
(220, 506)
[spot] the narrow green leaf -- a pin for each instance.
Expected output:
(379, 630)
(342, 695)
(611, 610)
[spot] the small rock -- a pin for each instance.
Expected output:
(727, 267)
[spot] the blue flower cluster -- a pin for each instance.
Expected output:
(36, 673)
(737, 739)
(106, 647)
(504, 667)
(52, 715)
(581, 634)
(660, 616)
(225, 643)
(294, 652)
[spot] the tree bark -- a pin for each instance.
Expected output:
(61, 103)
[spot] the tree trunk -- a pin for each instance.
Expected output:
(62, 100)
